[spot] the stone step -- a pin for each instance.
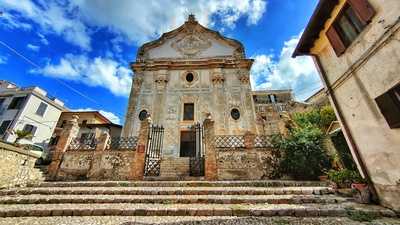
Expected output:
(126, 209)
(171, 199)
(189, 183)
(168, 191)
(188, 220)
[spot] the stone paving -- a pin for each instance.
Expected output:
(169, 190)
(169, 220)
(188, 202)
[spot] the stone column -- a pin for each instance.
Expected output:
(249, 140)
(219, 100)
(95, 164)
(137, 172)
(211, 167)
(69, 132)
(130, 114)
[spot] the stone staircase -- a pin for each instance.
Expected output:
(179, 199)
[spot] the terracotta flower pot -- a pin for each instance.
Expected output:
(359, 186)
(361, 193)
(323, 178)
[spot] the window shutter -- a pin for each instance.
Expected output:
(389, 109)
(33, 132)
(335, 40)
(363, 9)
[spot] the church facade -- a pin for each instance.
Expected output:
(189, 74)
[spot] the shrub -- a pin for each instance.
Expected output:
(344, 178)
(318, 117)
(303, 156)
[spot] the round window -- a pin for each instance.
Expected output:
(189, 77)
(143, 115)
(235, 113)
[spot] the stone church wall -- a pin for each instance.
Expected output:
(244, 164)
(107, 165)
(165, 103)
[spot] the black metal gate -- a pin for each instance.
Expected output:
(197, 162)
(153, 151)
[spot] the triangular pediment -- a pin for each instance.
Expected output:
(191, 41)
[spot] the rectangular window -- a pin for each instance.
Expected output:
(2, 101)
(41, 109)
(4, 126)
(188, 111)
(389, 105)
(30, 128)
(16, 103)
(349, 23)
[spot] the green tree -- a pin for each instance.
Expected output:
(318, 117)
(22, 134)
(303, 153)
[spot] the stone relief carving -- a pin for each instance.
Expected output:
(191, 45)
(172, 113)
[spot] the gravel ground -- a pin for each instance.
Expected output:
(107, 220)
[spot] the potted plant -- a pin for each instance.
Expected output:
(21, 134)
(323, 177)
(360, 189)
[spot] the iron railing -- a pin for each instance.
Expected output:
(262, 141)
(229, 141)
(122, 143)
(83, 144)
(153, 151)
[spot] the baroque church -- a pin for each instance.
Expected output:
(189, 74)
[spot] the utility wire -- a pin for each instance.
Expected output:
(37, 66)
(26, 59)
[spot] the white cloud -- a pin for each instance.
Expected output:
(286, 72)
(143, 20)
(3, 59)
(50, 16)
(109, 115)
(97, 72)
(43, 39)
(138, 20)
(32, 47)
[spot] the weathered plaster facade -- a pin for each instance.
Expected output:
(368, 68)
(220, 83)
(17, 167)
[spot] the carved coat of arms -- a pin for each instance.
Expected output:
(191, 45)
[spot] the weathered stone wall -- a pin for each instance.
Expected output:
(174, 167)
(106, 165)
(244, 164)
(369, 67)
(75, 165)
(17, 167)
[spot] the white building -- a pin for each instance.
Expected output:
(28, 109)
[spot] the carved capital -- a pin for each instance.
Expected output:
(217, 78)
(137, 81)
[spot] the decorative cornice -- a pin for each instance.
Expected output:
(191, 64)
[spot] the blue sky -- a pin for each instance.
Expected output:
(79, 51)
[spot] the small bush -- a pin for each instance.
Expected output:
(344, 178)
(303, 156)
(361, 216)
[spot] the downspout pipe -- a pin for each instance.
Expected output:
(354, 146)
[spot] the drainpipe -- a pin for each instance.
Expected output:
(350, 138)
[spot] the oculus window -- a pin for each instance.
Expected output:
(235, 113)
(143, 115)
